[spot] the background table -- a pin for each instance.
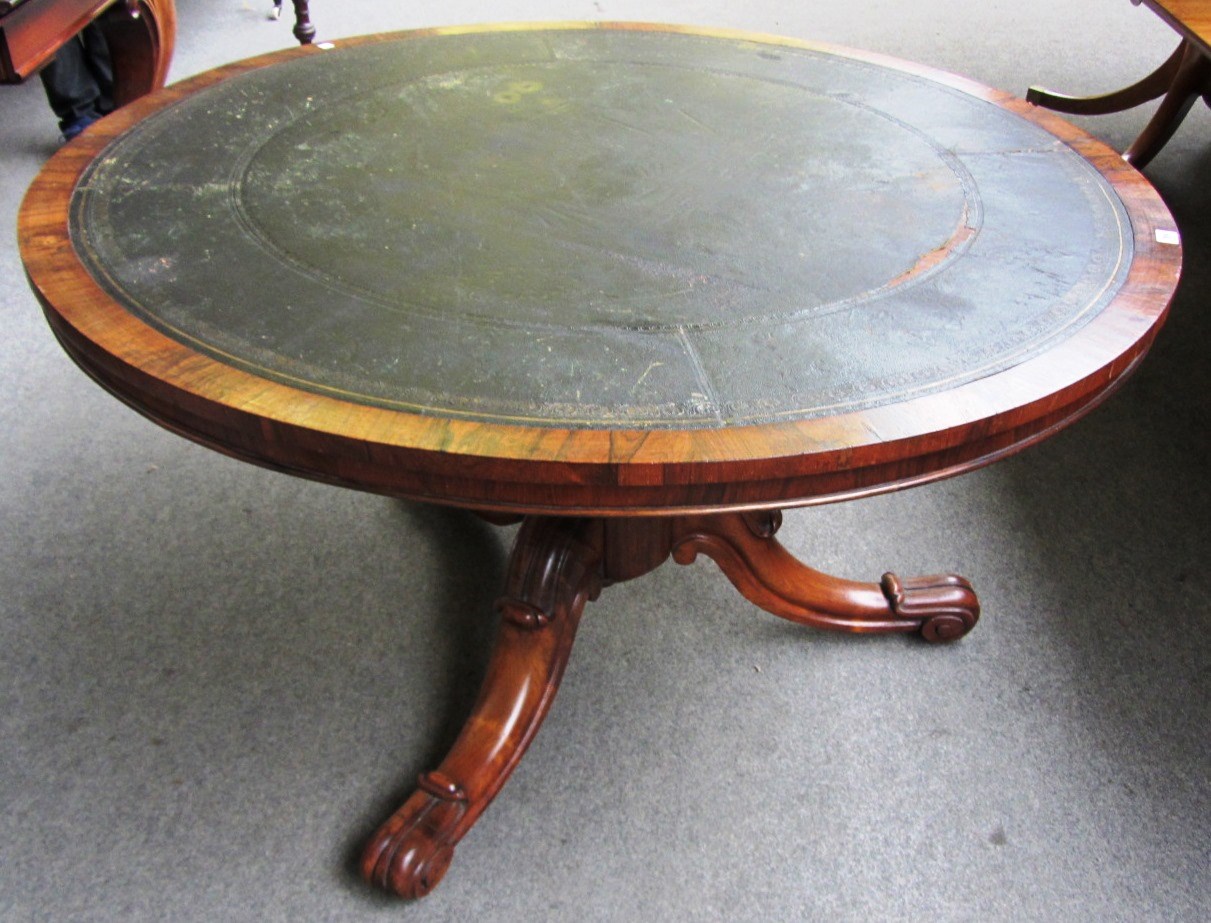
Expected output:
(644, 286)
(1182, 80)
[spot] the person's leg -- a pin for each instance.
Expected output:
(96, 57)
(79, 82)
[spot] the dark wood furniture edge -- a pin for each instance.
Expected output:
(1175, 23)
(20, 15)
(423, 476)
(141, 46)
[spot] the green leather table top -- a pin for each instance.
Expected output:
(602, 228)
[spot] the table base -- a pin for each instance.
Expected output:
(1181, 80)
(556, 566)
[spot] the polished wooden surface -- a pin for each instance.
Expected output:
(1191, 18)
(1182, 80)
(31, 32)
(141, 36)
(601, 504)
(141, 46)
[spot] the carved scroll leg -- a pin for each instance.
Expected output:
(941, 608)
(553, 572)
(1151, 87)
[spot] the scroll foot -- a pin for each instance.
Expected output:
(411, 852)
(553, 571)
(944, 606)
(941, 608)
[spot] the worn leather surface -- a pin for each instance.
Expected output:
(602, 228)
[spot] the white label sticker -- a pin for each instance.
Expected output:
(1168, 237)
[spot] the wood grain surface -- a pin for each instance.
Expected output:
(1191, 18)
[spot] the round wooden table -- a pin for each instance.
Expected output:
(642, 287)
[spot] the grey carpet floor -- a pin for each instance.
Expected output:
(215, 680)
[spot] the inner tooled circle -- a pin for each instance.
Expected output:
(589, 193)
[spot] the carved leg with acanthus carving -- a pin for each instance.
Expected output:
(940, 608)
(553, 571)
(556, 567)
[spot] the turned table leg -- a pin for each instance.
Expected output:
(304, 31)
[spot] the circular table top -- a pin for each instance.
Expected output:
(599, 268)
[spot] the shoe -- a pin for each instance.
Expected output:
(73, 128)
